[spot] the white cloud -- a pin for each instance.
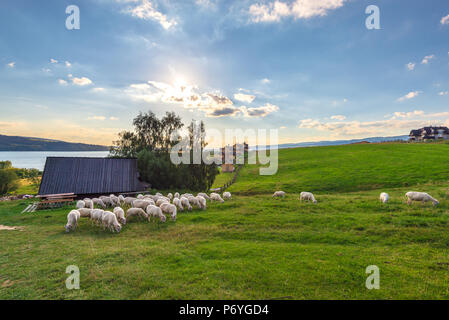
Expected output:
(68, 64)
(274, 11)
(445, 20)
(98, 89)
(409, 96)
(265, 81)
(11, 65)
(338, 117)
(427, 59)
(53, 61)
(244, 97)
(443, 93)
(83, 81)
(411, 66)
(113, 118)
(62, 82)
(262, 111)
(408, 114)
(147, 11)
(98, 118)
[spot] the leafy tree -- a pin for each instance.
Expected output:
(5, 165)
(8, 181)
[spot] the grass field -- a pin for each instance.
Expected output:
(254, 246)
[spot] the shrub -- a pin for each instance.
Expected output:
(8, 181)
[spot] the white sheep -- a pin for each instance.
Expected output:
(121, 199)
(204, 195)
(226, 195)
(107, 201)
(84, 212)
(114, 199)
(120, 214)
(216, 197)
(72, 220)
(99, 202)
(129, 200)
(185, 203)
(138, 212)
(80, 204)
(140, 196)
(384, 197)
(177, 202)
(193, 201)
(420, 196)
(170, 196)
(96, 215)
(142, 204)
(161, 201)
(202, 202)
(109, 221)
(170, 209)
(279, 194)
(307, 196)
(155, 212)
(177, 196)
(88, 203)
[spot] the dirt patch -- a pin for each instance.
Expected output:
(8, 283)
(2, 227)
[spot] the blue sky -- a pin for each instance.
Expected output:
(309, 68)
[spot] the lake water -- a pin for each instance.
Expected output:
(36, 159)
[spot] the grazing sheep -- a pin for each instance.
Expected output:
(72, 220)
(109, 221)
(185, 203)
(120, 214)
(136, 212)
(88, 203)
(115, 199)
(226, 195)
(140, 196)
(170, 209)
(384, 197)
(177, 203)
(177, 196)
(170, 196)
(129, 200)
(96, 215)
(121, 200)
(216, 197)
(159, 194)
(155, 212)
(107, 201)
(193, 201)
(99, 202)
(204, 195)
(80, 204)
(279, 194)
(307, 196)
(420, 196)
(202, 202)
(84, 212)
(142, 204)
(161, 201)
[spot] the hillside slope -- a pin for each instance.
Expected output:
(349, 168)
(13, 143)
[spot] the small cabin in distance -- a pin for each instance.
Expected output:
(429, 133)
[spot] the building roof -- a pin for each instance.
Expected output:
(429, 131)
(84, 176)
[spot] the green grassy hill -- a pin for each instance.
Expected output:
(254, 246)
(349, 168)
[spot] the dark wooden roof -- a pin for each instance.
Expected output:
(84, 176)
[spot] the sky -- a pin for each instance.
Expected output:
(309, 68)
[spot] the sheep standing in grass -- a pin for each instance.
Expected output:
(177, 196)
(227, 195)
(121, 200)
(307, 196)
(177, 203)
(384, 197)
(186, 204)
(136, 212)
(193, 201)
(107, 201)
(140, 196)
(142, 204)
(216, 197)
(129, 201)
(99, 202)
(80, 204)
(109, 221)
(120, 214)
(204, 195)
(96, 215)
(170, 209)
(420, 196)
(88, 203)
(202, 202)
(72, 220)
(115, 200)
(170, 196)
(279, 194)
(85, 212)
(161, 201)
(155, 212)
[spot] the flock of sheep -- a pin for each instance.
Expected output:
(384, 197)
(144, 207)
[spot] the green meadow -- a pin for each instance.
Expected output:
(254, 246)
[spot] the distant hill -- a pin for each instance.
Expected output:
(13, 143)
